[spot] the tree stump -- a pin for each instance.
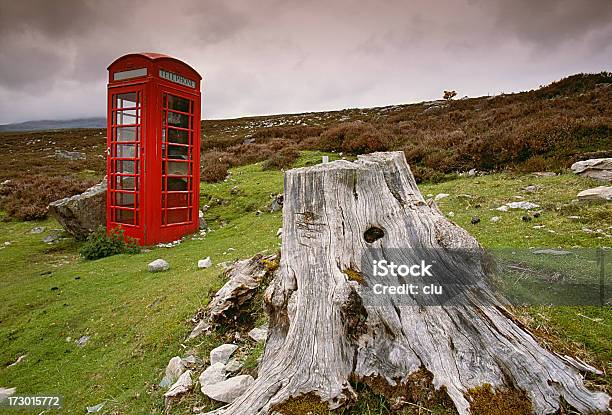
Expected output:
(324, 332)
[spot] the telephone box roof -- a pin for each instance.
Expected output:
(154, 57)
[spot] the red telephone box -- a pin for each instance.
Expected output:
(153, 147)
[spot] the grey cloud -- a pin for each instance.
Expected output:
(284, 55)
(548, 23)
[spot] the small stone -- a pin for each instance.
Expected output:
(50, 239)
(233, 366)
(82, 341)
(96, 408)
(475, 220)
(502, 208)
(205, 263)
(182, 385)
(189, 361)
(158, 265)
(279, 232)
(222, 353)
(526, 218)
(441, 196)
(213, 374)
(537, 214)
(472, 172)
(554, 252)
(450, 214)
(522, 205)
(495, 219)
(228, 390)
(277, 203)
(259, 334)
(531, 188)
(174, 370)
(7, 392)
(38, 229)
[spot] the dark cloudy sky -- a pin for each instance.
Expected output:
(275, 56)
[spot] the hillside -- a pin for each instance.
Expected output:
(94, 122)
(544, 129)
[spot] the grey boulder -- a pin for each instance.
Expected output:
(259, 334)
(222, 353)
(213, 374)
(174, 370)
(82, 214)
(228, 390)
(600, 169)
(600, 193)
(158, 265)
(69, 155)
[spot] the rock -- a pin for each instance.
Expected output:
(213, 374)
(174, 370)
(248, 141)
(279, 232)
(7, 392)
(259, 334)
(19, 359)
(277, 204)
(222, 353)
(53, 238)
(495, 219)
(531, 188)
(38, 229)
(82, 214)
(472, 172)
(450, 214)
(441, 196)
(544, 174)
(189, 361)
(69, 155)
(600, 169)
(522, 205)
(203, 224)
(233, 366)
(205, 263)
(555, 252)
(537, 214)
(182, 385)
(526, 218)
(434, 109)
(601, 193)
(228, 390)
(158, 265)
(82, 341)
(96, 408)
(502, 208)
(475, 220)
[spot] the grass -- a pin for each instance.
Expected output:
(137, 320)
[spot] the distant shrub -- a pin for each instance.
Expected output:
(101, 244)
(214, 167)
(282, 159)
(448, 95)
(356, 138)
(28, 198)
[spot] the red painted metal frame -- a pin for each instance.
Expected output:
(150, 228)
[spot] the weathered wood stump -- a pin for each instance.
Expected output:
(323, 332)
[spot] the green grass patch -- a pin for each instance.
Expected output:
(138, 320)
